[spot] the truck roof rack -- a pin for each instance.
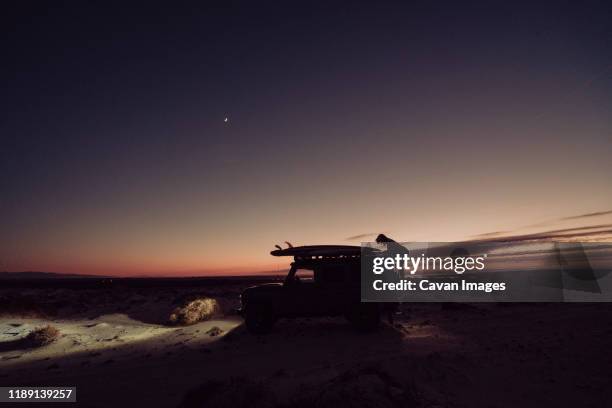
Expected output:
(310, 251)
(323, 253)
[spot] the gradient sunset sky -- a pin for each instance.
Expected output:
(426, 121)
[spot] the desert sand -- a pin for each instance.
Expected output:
(116, 346)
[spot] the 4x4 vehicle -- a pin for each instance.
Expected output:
(324, 280)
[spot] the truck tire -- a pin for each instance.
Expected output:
(259, 319)
(365, 317)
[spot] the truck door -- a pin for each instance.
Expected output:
(301, 294)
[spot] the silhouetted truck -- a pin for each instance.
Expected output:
(324, 280)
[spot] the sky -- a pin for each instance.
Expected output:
(428, 121)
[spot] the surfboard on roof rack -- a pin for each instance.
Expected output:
(310, 251)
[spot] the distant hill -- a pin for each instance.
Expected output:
(43, 275)
(55, 275)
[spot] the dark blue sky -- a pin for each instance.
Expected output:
(428, 120)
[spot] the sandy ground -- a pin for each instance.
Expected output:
(115, 332)
(433, 356)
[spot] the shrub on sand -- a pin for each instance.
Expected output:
(195, 311)
(42, 336)
(214, 331)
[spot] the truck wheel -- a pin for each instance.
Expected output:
(259, 319)
(365, 317)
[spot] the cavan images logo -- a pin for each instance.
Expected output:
(483, 271)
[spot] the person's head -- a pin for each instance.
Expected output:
(383, 238)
